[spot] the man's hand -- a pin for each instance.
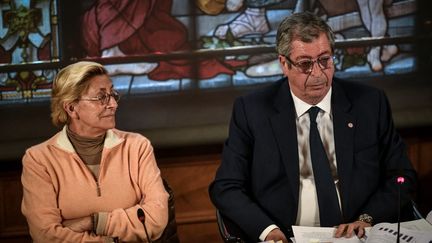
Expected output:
(347, 230)
(79, 225)
(276, 235)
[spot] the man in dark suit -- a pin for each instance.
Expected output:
(269, 179)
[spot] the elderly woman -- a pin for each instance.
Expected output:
(86, 183)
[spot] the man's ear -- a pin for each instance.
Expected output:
(282, 60)
(284, 65)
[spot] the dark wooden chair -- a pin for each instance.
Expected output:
(170, 233)
(228, 231)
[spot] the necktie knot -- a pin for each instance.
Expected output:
(313, 112)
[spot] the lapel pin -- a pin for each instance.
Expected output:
(350, 125)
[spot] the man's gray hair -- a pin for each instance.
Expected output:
(303, 26)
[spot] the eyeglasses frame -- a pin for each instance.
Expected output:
(113, 94)
(316, 60)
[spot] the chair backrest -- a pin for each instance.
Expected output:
(224, 232)
(170, 233)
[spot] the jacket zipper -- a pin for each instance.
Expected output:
(98, 190)
(96, 178)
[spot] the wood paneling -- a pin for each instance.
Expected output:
(12, 222)
(420, 153)
(199, 232)
(16, 239)
(189, 176)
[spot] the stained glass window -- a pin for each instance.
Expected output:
(157, 46)
(28, 35)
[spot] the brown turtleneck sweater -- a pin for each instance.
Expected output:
(88, 149)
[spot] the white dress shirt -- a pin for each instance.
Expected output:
(308, 211)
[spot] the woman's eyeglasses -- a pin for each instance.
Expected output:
(306, 66)
(105, 97)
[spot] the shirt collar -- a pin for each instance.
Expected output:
(63, 142)
(302, 107)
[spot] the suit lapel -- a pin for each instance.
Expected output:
(285, 132)
(344, 124)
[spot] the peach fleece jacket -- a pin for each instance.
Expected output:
(58, 185)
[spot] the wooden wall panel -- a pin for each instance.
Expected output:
(189, 177)
(199, 232)
(12, 222)
(420, 152)
(16, 239)
(424, 194)
(425, 159)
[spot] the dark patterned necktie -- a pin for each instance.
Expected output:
(329, 211)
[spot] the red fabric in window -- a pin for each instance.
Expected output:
(140, 27)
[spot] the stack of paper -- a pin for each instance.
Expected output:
(417, 231)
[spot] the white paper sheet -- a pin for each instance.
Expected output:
(387, 233)
(303, 234)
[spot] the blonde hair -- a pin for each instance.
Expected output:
(68, 86)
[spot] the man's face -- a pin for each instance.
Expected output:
(309, 84)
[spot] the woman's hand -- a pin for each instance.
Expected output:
(79, 225)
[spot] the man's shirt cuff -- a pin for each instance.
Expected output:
(267, 230)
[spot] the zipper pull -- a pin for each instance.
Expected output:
(98, 190)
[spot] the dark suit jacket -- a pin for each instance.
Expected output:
(257, 183)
